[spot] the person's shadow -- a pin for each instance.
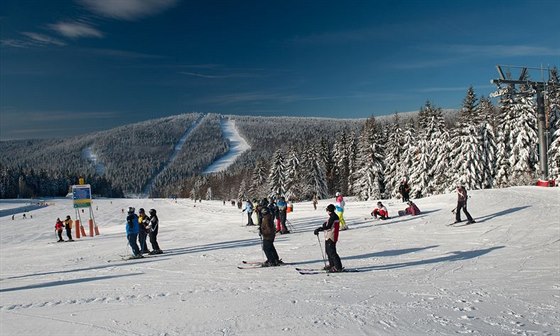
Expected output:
(500, 213)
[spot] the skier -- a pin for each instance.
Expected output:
(462, 204)
(58, 227)
(339, 205)
(404, 190)
(281, 213)
(132, 229)
(154, 228)
(144, 221)
(315, 200)
(249, 209)
(68, 225)
(267, 233)
(331, 228)
(380, 211)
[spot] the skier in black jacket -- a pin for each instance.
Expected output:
(331, 228)
(267, 233)
(462, 204)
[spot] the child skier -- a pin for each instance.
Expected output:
(331, 228)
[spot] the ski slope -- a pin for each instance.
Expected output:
(499, 276)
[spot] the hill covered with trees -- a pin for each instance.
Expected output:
(480, 146)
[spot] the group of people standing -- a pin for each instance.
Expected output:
(268, 211)
(138, 228)
(278, 208)
(60, 225)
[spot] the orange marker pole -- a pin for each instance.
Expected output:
(77, 221)
(83, 230)
(90, 222)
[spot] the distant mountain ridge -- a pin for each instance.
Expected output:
(132, 154)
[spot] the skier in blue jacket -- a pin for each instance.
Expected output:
(132, 229)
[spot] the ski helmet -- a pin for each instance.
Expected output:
(131, 210)
(152, 212)
(330, 208)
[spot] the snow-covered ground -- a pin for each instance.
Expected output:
(499, 276)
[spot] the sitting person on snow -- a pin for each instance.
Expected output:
(380, 211)
(412, 209)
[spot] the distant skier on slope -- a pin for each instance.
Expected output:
(249, 209)
(404, 190)
(339, 205)
(68, 225)
(282, 214)
(144, 221)
(58, 227)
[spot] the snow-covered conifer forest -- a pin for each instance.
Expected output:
(482, 145)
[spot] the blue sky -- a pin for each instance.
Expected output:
(69, 67)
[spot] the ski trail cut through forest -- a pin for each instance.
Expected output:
(176, 150)
(237, 146)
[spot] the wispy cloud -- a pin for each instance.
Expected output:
(116, 53)
(32, 40)
(50, 116)
(224, 76)
(76, 30)
(43, 39)
(500, 50)
(127, 9)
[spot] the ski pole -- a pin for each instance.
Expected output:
(321, 248)
(262, 247)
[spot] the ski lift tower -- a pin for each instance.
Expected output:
(539, 88)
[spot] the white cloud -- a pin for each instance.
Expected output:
(75, 30)
(43, 39)
(127, 9)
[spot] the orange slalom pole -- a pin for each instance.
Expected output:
(90, 222)
(77, 221)
(83, 230)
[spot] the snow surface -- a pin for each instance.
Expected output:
(499, 276)
(237, 145)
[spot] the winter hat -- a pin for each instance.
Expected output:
(152, 212)
(337, 194)
(330, 208)
(131, 210)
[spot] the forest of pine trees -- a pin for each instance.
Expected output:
(480, 146)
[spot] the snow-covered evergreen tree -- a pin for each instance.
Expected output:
(394, 172)
(315, 174)
(277, 176)
(409, 150)
(291, 173)
(258, 180)
(487, 142)
(524, 156)
(503, 145)
(341, 158)
(554, 155)
(369, 178)
(467, 156)
(431, 124)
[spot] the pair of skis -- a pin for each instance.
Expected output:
(302, 271)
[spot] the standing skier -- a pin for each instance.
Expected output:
(404, 190)
(331, 228)
(339, 205)
(249, 209)
(154, 229)
(132, 229)
(462, 204)
(68, 225)
(267, 233)
(282, 214)
(144, 221)
(58, 227)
